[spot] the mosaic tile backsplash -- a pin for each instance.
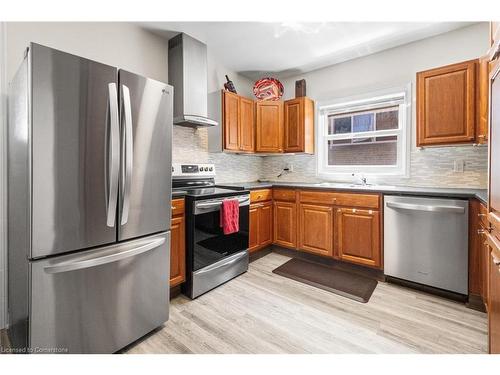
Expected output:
(428, 167)
(431, 167)
(190, 146)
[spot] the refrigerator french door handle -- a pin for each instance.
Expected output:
(100, 260)
(113, 156)
(127, 152)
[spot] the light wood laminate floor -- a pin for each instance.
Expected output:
(260, 312)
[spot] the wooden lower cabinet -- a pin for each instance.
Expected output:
(178, 246)
(261, 225)
(494, 306)
(316, 229)
(285, 224)
(478, 252)
(357, 236)
(253, 227)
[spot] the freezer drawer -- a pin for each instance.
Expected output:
(426, 241)
(102, 300)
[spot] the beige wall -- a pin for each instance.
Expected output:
(124, 45)
(397, 67)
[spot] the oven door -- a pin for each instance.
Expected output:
(210, 244)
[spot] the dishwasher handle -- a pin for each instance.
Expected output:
(428, 208)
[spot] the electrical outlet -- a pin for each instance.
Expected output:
(458, 166)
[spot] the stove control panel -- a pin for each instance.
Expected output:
(193, 170)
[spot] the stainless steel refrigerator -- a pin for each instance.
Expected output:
(89, 190)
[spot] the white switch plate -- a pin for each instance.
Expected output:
(458, 166)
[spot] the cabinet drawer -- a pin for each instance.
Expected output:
(284, 195)
(177, 207)
(261, 195)
(322, 197)
(358, 200)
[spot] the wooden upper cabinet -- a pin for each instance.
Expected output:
(299, 125)
(483, 86)
(316, 229)
(285, 224)
(358, 236)
(246, 124)
(269, 126)
(446, 105)
(231, 117)
(238, 122)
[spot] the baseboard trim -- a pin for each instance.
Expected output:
(476, 302)
(428, 289)
(4, 341)
(260, 253)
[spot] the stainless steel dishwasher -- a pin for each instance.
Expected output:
(426, 241)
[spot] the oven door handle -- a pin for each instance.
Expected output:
(223, 263)
(219, 202)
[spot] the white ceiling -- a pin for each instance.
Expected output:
(256, 49)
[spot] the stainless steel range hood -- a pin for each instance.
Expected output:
(187, 72)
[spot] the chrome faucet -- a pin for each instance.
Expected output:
(362, 179)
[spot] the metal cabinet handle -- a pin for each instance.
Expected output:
(100, 260)
(127, 152)
(419, 207)
(492, 241)
(496, 261)
(112, 158)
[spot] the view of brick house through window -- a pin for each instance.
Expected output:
(363, 151)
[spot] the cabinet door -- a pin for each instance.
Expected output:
(483, 86)
(358, 236)
(253, 231)
(446, 104)
(477, 270)
(294, 125)
(285, 224)
(269, 126)
(299, 125)
(485, 263)
(247, 125)
(266, 224)
(177, 252)
(494, 306)
(231, 117)
(316, 229)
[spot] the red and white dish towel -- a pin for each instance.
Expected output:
(230, 216)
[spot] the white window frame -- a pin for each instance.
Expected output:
(400, 97)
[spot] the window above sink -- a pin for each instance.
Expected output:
(367, 135)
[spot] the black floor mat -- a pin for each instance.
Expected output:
(347, 284)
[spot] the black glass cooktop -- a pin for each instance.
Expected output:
(212, 192)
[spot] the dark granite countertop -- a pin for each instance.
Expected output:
(178, 193)
(480, 194)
